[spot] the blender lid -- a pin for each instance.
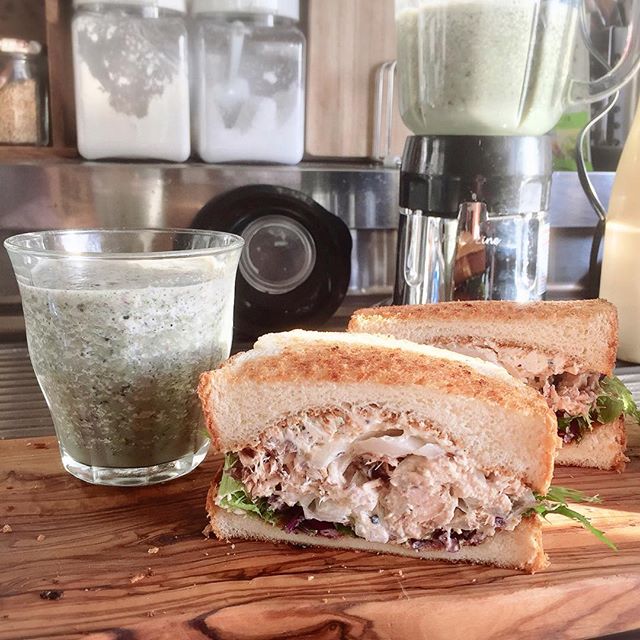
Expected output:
(284, 8)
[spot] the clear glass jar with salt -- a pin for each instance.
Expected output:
(131, 74)
(248, 81)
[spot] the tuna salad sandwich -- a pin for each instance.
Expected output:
(564, 350)
(362, 442)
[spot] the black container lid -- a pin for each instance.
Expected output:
(318, 253)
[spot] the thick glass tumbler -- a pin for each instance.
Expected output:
(120, 325)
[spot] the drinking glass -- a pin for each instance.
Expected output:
(120, 325)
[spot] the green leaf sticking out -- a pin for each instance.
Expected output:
(555, 501)
(344, 530)
(613, 401)
(563, 494)
(233, 495)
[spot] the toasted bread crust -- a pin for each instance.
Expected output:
(357, 363)
(495, 310)
(584, 331)
(520, 549)
(205, 393)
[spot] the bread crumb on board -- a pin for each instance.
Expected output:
(141, 576)
(41, 537)
(152, 550)
(7, 528)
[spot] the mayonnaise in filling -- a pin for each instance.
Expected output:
(387, 475)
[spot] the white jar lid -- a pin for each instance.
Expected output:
(13, 45)
(284, 8)
(176, 5)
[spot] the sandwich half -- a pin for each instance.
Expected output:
(564, 350)
(363, 442)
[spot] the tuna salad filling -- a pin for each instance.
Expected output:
(372, 473)
(579, 400)
(583, 400)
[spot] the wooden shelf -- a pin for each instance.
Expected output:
(49, 22)
(61, 92)
(19, 153)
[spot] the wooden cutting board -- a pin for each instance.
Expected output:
(132, 564)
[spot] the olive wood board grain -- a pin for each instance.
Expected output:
(132, 564)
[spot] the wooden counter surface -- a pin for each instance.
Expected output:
(132, 564)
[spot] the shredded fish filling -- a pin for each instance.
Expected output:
(566, 390)
(387, 475)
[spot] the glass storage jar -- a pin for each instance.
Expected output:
(130, 60)
(248, 81)
(24, 113)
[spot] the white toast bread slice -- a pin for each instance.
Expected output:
(583, 331)
(288, 373)
(601, 448)
(518, 549)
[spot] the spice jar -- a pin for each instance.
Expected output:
(24, 116)
(131, 79)
(248, 81)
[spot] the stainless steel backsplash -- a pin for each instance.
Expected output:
(61, 194)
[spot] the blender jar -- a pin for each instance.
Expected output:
(494, 67)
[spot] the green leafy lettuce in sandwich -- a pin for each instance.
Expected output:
(612, 400)
(233, 495)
